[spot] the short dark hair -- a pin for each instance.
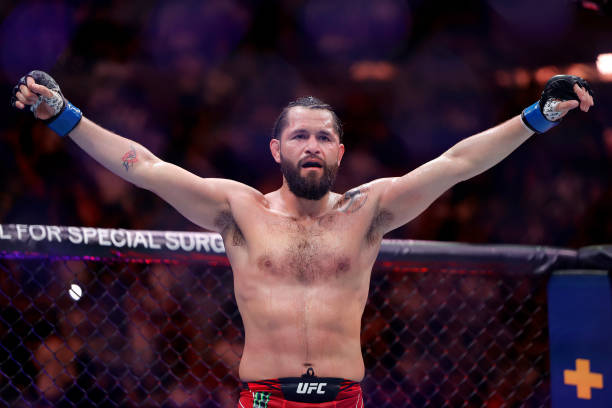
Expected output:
(309, 102)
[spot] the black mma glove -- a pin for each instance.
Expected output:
(541, 116)
(65, 115)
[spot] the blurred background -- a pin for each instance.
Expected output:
(200, 83)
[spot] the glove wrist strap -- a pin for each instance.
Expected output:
(66, 120)
(535, 120)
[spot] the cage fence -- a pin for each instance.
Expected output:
(88, 324)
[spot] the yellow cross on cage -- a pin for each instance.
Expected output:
(583, 378)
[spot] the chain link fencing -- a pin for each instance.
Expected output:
(439, 330)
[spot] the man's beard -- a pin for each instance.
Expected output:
(308, 187)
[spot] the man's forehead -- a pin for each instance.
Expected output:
(299, 117)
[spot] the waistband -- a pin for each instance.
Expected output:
(307, 388)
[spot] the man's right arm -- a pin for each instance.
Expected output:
(200, 200)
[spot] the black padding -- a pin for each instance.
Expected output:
(562, 87)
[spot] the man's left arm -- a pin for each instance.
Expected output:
(404, 198)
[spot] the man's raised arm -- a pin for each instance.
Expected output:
(404, 198)
(198, 199)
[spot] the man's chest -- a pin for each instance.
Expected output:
(331, 247)
(307, 254)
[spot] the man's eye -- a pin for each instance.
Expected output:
(324, 138)
(300, 136)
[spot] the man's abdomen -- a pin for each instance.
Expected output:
(276, 355)
(294, 331)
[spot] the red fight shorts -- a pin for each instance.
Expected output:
(301, 392)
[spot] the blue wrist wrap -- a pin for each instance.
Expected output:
(67, 119)
(535, 119)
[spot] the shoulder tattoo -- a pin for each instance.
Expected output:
(352, 200)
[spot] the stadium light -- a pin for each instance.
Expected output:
(604, 64)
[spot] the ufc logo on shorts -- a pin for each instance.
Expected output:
(308, 388)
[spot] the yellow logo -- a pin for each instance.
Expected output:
(583, 378)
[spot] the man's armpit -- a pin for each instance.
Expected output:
(379, 225)
(226, 224)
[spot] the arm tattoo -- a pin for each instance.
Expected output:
(352, 200)
(129, 158)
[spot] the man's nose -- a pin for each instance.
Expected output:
(312, 145)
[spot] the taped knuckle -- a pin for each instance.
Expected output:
(34, 82)
(35, 105)
(55, 102)
(553, 109)
(44, 79)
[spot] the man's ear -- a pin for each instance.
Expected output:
(275, 149)
(340, 153)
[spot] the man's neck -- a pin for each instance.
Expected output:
(301, 207)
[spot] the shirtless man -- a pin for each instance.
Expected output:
(301, 255)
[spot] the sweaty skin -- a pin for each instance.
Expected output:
(301, 267)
